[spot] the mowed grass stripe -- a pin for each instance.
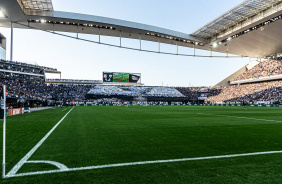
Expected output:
(107, 135)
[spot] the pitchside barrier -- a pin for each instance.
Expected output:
(17, 111)
(231, 105)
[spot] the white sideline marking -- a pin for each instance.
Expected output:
(15, 169)
(60, 166)
(241, 117)
(144, 163)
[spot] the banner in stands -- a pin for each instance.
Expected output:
(122, 77)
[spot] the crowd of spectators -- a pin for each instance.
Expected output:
(190, 92)
(27, 88)
(42, 92)
(263, 69)
(266, 91)
(23, 77)
(263, 91)
(67, 93)
(116, 101)
(21, 94)
(21, 71)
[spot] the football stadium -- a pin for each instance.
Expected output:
(117, 128)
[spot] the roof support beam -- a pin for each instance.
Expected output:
(240, 14)
(229, 20)
(212, 28)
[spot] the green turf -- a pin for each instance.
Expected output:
(91, 136)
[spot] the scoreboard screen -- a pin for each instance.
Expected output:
(122, 77)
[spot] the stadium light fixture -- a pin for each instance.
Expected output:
(43, 21)
(2, 14)
(214, 44)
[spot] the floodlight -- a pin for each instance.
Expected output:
(2, 14)
(214, 44)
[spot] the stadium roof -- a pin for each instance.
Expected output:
(252, 28)
(245, 10)
(43, 5)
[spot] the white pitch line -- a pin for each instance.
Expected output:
(15, 169)
(65, 109)
(270, 120)
(144, 163)
(60, 166)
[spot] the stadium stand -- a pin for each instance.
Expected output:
(27, 86)
(267, 68)
(73, 81)
(22, 71)
(47, 93)
(26, 90)
(269, 92)
(190, 92)
(128, 93)
(266, 88)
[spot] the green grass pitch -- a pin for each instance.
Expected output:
(94, 136)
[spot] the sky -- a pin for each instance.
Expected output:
(83, 60)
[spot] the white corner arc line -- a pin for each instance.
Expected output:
(145, 163)
(15, 169)
(60, 166)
